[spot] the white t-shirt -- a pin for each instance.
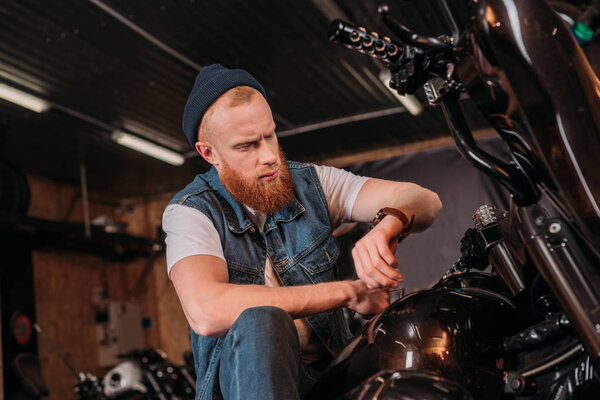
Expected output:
(190, 232)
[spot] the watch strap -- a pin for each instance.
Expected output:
(406, 222)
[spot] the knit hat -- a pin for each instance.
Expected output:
(212, 82)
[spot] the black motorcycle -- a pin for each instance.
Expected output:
(531, 327)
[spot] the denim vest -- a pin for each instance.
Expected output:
(296, 239)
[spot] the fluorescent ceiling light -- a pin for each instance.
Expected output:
(148, 148)
(23, 99)
(409, 101)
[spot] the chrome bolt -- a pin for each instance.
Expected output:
(540, 220)
(554, 227)
(515, 384)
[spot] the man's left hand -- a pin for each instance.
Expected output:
(374, 257)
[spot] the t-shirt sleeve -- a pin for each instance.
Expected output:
(341, 189)
(189, 232)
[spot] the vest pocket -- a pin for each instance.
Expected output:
(321, 258)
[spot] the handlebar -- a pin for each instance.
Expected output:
(356, 37)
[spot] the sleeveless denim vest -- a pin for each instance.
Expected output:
(296, 239)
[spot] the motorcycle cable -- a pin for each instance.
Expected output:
(55, 350)
(562, 354)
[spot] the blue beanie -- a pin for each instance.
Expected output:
(212, 82)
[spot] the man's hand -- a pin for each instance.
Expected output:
(374, 257)
(367, 301)
(374, 254)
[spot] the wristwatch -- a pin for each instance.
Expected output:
(406, 222)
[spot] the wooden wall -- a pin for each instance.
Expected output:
(170, 325)
(65, 283)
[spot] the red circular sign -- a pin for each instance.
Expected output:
(22, 329)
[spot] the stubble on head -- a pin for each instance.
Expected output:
(267, 197)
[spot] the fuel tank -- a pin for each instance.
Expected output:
(451, 331)
(409, 385)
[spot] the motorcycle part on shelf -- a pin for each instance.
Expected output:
(146, 373)
(126, 377)
(88, 387)
(409, 385)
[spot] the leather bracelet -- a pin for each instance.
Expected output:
(406, 222)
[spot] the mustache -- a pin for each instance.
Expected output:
(269, 171)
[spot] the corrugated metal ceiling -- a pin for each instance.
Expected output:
(129, 65)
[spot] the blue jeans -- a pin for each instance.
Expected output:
(260, 358)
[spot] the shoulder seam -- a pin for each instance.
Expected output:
(197, 192)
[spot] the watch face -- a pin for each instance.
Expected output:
(378, 217)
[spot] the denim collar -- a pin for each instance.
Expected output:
(237, 219)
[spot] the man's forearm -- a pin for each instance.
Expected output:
(422, 203)
(407, 197)
(224, 302)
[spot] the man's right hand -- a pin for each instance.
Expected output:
(366, 300)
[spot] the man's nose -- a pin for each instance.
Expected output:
(268, 155)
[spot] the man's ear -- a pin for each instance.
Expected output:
(207, 151)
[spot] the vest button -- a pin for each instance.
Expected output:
(252, 229)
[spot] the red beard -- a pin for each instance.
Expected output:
(267, 197)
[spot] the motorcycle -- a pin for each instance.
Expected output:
(141, 374)
(530, 328)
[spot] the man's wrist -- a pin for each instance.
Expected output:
(393, 226)
(395, 218)
(349, 293)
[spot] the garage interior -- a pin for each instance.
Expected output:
(81, 213)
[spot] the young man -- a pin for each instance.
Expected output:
(250, 251)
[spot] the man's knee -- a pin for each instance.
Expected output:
(265, 317)
(264, 336)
